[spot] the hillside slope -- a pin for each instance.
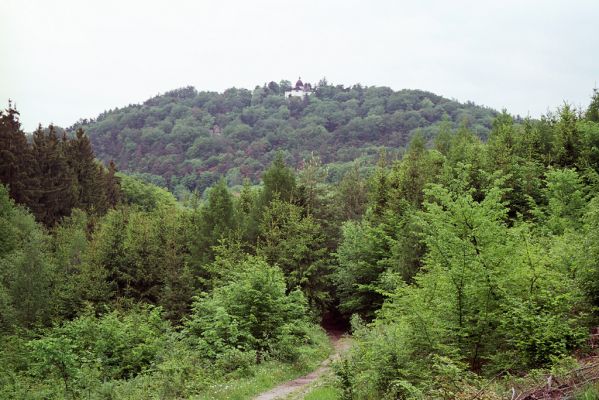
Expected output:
(190, 138)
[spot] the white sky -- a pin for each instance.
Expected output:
(62, 60)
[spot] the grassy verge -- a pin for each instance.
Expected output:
(591, 392)
(269, 374)
(326, 392)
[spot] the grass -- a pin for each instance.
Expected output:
(269, 374)
(265, 377)
(589, 393)
(324, 393)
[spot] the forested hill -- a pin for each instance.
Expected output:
(466, 269)
(190, 138)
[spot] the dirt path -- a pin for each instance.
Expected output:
(340, 344)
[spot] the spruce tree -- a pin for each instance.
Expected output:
(215, 222)
(279, 181)
(16, 158)
(112, 185)
(593, 110)
(90, 194)
(568, 140)
(56, 194)
(379, 187)
(352, 195)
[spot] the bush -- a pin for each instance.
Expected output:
(235, 360)
(250, 313)
(83, 352)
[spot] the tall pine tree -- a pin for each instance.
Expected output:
(90, 195)
(57, 193)
(16, 160)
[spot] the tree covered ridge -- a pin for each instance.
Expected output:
(188, 139)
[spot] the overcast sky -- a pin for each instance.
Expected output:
(62, 60)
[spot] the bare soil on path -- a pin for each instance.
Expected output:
(340, 344)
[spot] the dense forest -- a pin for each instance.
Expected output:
(466, 264)
(186, 140)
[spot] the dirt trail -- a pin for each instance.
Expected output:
(340, 344)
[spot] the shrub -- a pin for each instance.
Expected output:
(83, 352)
(250, 313)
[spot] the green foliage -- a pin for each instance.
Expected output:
(144, 195)
(487, 299)
(26, 269)
(409, 177)
(590, 146)
(565, 200)
(69, 247)
(140, 256)
(352, 195)
(568, 138)
(592, 113)
(51, 176)
(379, 188)
(16, 158)
(114, 346)
(90, 193)
(248, 212)
(541, 331)
(359, 255)
(589, 393)
(56, 191)
(457, 263)
(194, 139)
(213, 221)
(251, 313)
(279, 182)
(323, 393)
(295, 243)
(585, 252)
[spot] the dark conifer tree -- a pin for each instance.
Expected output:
(90, 195)
(16, 158)
(568, 140)
(112, 185)
(279, 181)
(216, 222)
(57, 194)
(351, 196)
(592, 113)
(247, 214)
(379, 187)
